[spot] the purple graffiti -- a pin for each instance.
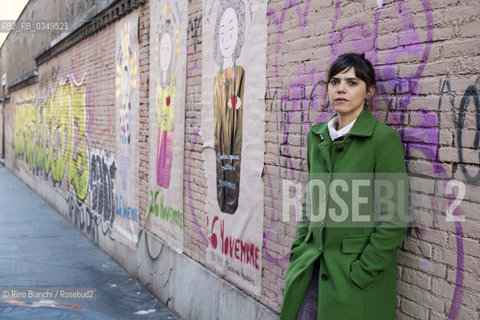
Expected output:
(271, 229)
(302, 20)
(194, 68)
(298, 106)
(202, 237)
(457, 294)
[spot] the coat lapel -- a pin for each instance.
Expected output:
(325, 144)
(364, 125)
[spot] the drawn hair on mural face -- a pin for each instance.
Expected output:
(229, 31)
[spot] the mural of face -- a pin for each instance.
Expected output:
(228, 32)
(165, 51)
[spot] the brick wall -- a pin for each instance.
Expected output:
(144, 41)
(426, 54)
(426, 57)
(194, 180)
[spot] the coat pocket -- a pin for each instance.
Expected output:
(354, 244)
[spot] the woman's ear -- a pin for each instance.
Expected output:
(370, 91)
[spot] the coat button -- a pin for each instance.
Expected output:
(324, 277)
(319, 248)
(339, 149)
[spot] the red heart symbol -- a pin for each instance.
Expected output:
(168, 101)
(234, 102)
(213, 240)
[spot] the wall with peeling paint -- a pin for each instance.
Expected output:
(426, 55)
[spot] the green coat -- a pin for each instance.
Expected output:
(357, 275)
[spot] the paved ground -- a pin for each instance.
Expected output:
(40, 249)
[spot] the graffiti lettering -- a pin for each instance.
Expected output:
(241, 274)
(244, 251)
(471, 94)
(124, 211)
(164, 212)
(101, 186)
(228, 167)
(50, 135)
(227, 184)
(229, 157)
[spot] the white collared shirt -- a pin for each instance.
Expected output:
(334, 134)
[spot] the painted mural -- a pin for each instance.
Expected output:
(51, 141)
(235, 34)
(127, 123)
(50, 135)
(167, 100)
(228, 97)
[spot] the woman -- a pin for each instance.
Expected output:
(343, 266)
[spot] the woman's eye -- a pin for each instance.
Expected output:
(333, 82)
(353, 83)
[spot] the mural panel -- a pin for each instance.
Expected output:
(127, 121)
(233, 125)
(167, 111)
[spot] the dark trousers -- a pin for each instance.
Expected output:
(309, 306)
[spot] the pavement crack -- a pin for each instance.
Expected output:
(168, 279)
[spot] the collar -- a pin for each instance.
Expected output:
(363, 126)
(334, 133)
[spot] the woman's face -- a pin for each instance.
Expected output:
(228, 32)
(347, 93)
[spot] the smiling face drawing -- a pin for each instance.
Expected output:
(228, 32)
(165, 51)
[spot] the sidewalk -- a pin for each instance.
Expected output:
(40, 249)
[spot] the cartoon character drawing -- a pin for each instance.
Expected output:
(229, 102)
(165, 97)
(126, 83)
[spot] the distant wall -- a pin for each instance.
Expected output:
(22, 47)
